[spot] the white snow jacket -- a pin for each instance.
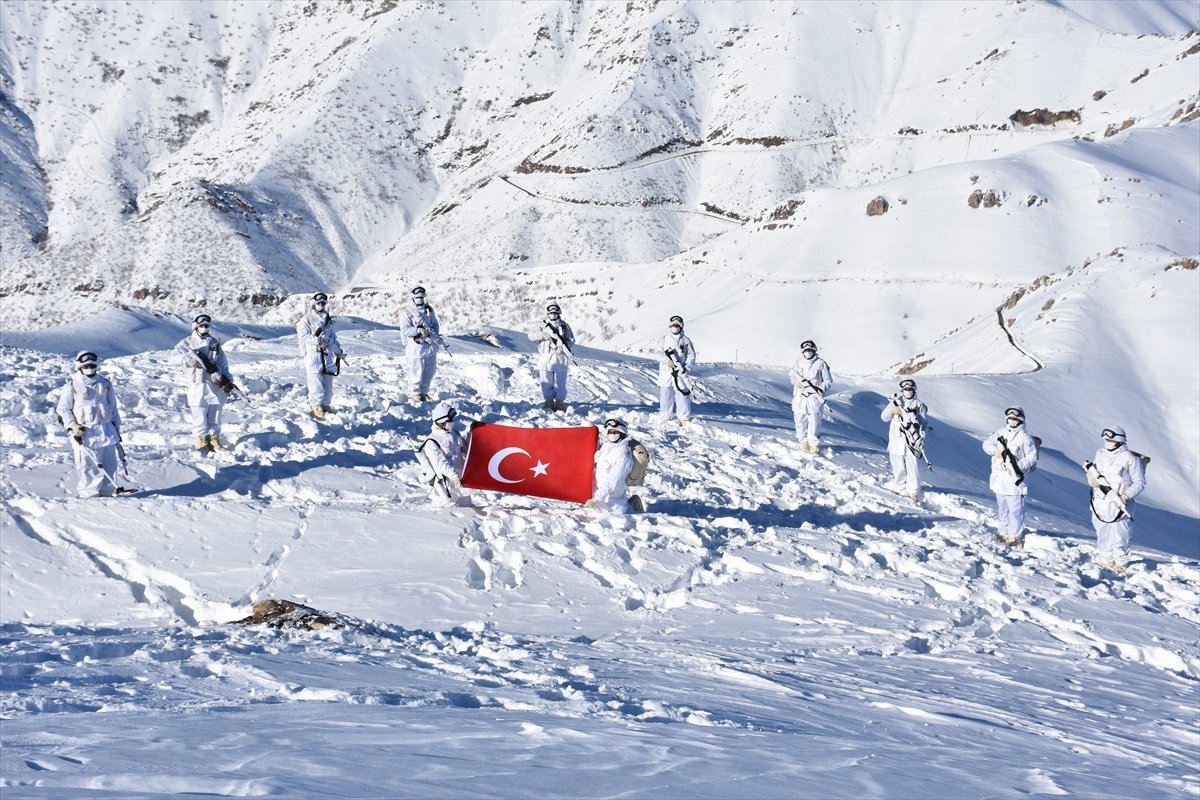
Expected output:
(684, 354)
(316, 337)
(1003, 479)
(420, 343)
(93, 404)
(446, 451)
(909, 415)
(613, 463)
(202, 389)
(552, 352)
(1119, 469)
(810, 379)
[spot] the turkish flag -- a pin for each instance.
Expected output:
(541, 462)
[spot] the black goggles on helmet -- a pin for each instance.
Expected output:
(1111, 435)
(88, 358)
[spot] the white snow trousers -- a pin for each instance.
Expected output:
(1112, 540)
(905, 473)
(420, 372)
(807, 414)
(1010, 514)
(206, 420)
(320, 388)
(672, 402)
(97, 470)
(554, 383)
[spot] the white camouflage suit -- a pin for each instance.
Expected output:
(613, 463)
(320, 352)
(905, 414)
(1010, 495)
(674, 397)
(443, 454)
(810, 381)
(92, 404)
(555, 340)
(419, 325)
(1123, 472)
(205, 397)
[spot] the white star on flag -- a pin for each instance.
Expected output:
(539, 469)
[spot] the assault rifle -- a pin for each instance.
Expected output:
(914, 433)
(1106, 490)
(1006, 454)
(562, 342)
(678, 372)
(210, 367)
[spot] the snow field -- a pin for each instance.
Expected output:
(768, 601)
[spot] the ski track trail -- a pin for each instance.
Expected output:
(739, 524)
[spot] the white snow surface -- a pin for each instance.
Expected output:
(775, 625)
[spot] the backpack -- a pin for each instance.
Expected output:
(1037, 454)
(641, 458)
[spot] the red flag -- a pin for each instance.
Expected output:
(541, 462)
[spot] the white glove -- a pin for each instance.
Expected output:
(454, 481)
(592, 503)
(193, 362)
(1093, 479)
(77, 431)
(1124, 498)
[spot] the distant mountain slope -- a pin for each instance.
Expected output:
(634, 160)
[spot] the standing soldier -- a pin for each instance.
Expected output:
(811, 379)
(677, 358)
(208, 382)
(443, 454)
(555, 340)
(1117, 475)
(614, 461)
(1014, 454)
(87, 406)
(905, 415)
(322, 354)
(419, 323)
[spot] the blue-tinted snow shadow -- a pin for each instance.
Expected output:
(249, 478)
(769, 516)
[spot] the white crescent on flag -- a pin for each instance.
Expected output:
(500, 455)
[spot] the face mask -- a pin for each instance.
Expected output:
(202, 330)
(1013, 423)
(810, 354)
(676, 329)
(88, 372)
(614, 437)
(419, 301)
(909, 394)
(1111, 445)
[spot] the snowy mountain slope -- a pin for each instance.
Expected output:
(767, 605)
(377, 144)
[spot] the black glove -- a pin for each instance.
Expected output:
(77, 431)
(225, 383)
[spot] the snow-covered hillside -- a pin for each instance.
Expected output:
(775, 625)
(238, 153)
(1001, 199)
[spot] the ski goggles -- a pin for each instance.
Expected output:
(908, 385)
(1110, 435)
(615, 426)
(320, 299)
(86, 359)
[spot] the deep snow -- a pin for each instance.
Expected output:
(775, 625)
